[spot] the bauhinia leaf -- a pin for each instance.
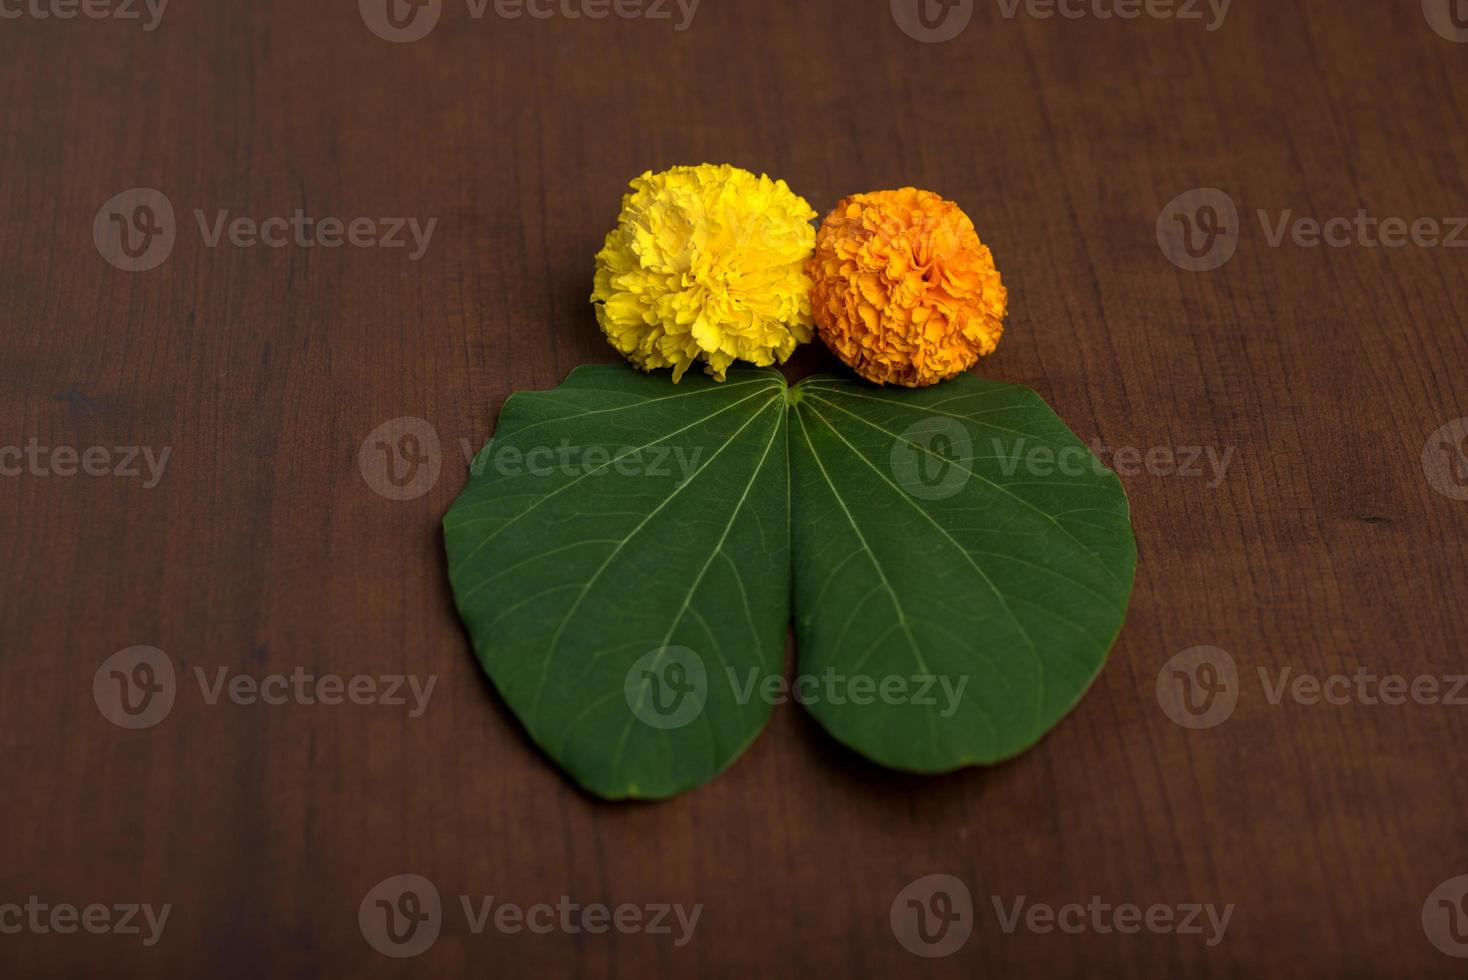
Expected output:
(622, 558)
(621, 551)
(959, 545)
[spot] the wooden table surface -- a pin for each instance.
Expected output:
(1332, 541)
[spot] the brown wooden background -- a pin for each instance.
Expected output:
(264, 549)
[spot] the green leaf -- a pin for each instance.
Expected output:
(960, 533)
(622, 559)
(622, 546)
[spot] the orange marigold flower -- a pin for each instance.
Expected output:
(904, 291)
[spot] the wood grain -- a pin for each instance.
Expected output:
(1323, 549)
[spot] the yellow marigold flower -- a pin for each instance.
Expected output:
(904, 291)
(706, 264)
